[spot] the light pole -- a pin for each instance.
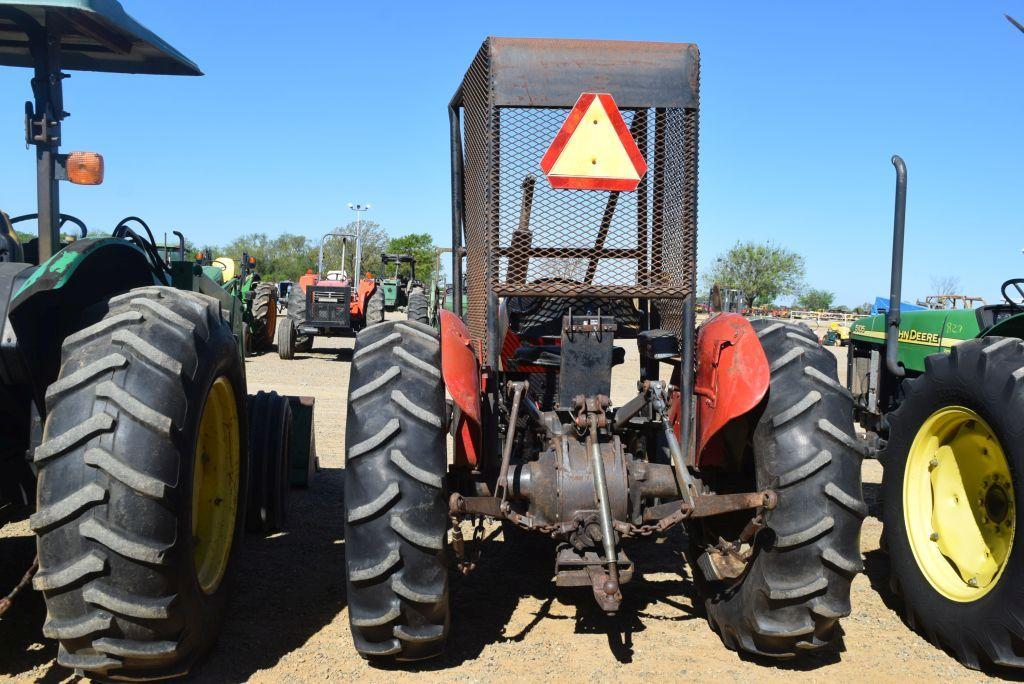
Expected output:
(359, 209)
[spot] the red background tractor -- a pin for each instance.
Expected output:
(325, 304)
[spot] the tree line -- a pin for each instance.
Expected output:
(764, 272)
(287, 256)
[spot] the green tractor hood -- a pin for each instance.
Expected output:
(921, 333)
(95, 35)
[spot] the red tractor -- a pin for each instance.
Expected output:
(574, 180)
(329, 304)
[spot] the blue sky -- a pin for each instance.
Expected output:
(310, 104)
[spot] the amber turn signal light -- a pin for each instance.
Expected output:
(85, 168)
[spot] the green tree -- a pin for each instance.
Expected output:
(375, 239)
(761, 272)
(817, 300)
(421, 247)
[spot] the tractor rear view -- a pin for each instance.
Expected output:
(574, 180)
(330, 304)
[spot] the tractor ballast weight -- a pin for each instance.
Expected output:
(559, 268)
(330, 304)
(123, 389)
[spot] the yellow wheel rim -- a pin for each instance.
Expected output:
(958, 504)
(215, 481)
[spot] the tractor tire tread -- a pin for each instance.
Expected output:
(983, 375)
(797, 586)
(418, 309)
(396, 509)
(110, 551)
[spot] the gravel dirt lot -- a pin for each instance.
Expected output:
(287, 620)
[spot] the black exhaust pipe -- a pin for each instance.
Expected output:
(892, 316)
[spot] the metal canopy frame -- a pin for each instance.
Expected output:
(88, 35)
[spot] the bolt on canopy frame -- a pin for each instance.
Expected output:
(86, 35)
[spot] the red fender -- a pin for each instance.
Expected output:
(307, 281)
(462, 379)
(732, 379)
(357, 307)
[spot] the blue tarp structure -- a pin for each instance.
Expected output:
(882, 305)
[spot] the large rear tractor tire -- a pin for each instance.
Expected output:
(142, 476)
(419, 307)
(796, 585)
(264, 314)
(297, 316)
(270, 431)
(951, 501)
(375, 308)
(396, 511)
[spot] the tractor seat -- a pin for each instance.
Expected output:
(335, 279)
(550, 355)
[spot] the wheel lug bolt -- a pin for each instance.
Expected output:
(933, 464)
(973, 582)
(935, 536)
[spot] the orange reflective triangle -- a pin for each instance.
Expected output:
(594, 149)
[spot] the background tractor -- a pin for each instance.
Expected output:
(326, 304)
(397, 286)
(259, 299)
(425, 303)
(124, 391)
(940, 395)
(740, 431)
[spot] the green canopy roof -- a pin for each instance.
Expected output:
(96, 35)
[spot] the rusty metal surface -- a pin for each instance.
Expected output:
(525, 238)
(459, 506)
(531, 72)
(708, 505)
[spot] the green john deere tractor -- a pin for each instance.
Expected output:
(397, 286)
(259, 298)
(941, 396)
(123, 398)
(425, 304)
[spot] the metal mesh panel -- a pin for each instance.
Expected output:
(477, 127)
(525, 238)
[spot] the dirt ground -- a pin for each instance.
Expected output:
(287, 618)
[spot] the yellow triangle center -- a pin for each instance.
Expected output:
(594, 150)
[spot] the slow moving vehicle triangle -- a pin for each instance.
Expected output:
(594, 149)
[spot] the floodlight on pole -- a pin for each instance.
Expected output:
(359, 209)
